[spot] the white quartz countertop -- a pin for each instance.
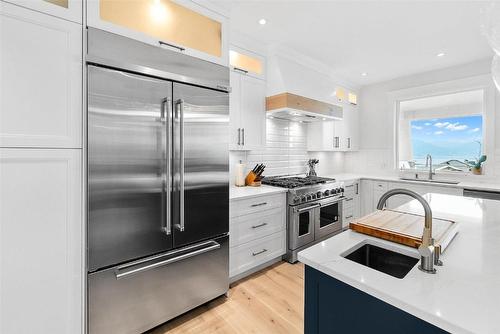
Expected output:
(473, 182)
(244, 192)
(464, 295)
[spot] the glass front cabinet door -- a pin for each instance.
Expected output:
(179, 25)
(70, 10)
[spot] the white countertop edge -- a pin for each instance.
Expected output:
(237, 193)
(425, 316)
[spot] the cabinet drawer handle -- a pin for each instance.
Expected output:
(260, 225)
(180, 48)
(258, 204)
(348, 217)
(348, 199)
(260, 252)
(240, 70)
(349, 186)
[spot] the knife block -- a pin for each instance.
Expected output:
(252, 180)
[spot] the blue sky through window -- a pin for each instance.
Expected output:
(447, 138)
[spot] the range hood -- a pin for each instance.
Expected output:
(299, 93)
(299, 108)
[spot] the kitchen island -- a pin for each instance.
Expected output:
(462, 297)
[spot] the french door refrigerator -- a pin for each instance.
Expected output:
(158, 201)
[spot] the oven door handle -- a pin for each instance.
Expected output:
(308, 208)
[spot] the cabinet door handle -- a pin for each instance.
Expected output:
(357, 188)
(240, 70)
(243, 136)
(259, 252)
(337, 142)
(258, 204)
(260, 225)
(348, 217)
(180, 48)
(348, 142)
(239, 136)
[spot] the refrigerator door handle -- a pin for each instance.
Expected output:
(166, 119)
(180, 118)
(122, 272)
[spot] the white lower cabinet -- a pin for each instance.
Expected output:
(41, 241)
(41, 79)
(257, 232)
(352, 204)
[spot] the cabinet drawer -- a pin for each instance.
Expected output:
(257, 204)
(351, 189)
(254, 253)
(250, 227)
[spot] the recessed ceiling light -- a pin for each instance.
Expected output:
(324, 119)
(441, 54)
(364, 74)
(262, 21)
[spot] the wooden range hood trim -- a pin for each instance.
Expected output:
(292, 101)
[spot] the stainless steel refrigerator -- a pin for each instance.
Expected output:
(158, 183)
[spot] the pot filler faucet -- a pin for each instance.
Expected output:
(429, 255)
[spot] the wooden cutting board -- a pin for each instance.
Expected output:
(404, 228)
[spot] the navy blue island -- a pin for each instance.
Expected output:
(345, 296)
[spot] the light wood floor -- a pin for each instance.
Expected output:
(270, 301)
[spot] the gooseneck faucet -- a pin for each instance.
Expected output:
(429, 255)
(428, 163)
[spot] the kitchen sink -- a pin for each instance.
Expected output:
(429, 181)
(384, 260)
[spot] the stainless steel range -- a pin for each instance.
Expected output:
(314, 210)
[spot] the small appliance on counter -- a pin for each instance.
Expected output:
(239, 174)
(254, 177)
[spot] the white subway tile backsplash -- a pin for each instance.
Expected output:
(285, 151)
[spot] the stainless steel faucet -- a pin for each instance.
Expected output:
(429, 255)
(428, 163)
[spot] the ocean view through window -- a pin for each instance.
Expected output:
(448, 127)
(450, 141)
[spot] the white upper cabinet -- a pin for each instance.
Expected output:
(66, 9)
(247, 62)
(340, 136)
(247, 112)
(180, 25)
(41, 81)
(324, 136)
(41, 241)
(350, 129)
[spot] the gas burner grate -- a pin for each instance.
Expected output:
(295, 181)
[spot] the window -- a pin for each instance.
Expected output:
(447, 127)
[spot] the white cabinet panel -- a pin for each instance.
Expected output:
(253, 112)
(254, 226)
(254, 253)
(235, 111)
(41, 241)
(41, 81)
(66, 9)
(366, 189)
(247, 112)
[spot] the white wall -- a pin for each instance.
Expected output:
(377, 116)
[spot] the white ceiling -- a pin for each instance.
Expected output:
(385, 39)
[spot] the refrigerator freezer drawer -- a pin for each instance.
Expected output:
(140, 295)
